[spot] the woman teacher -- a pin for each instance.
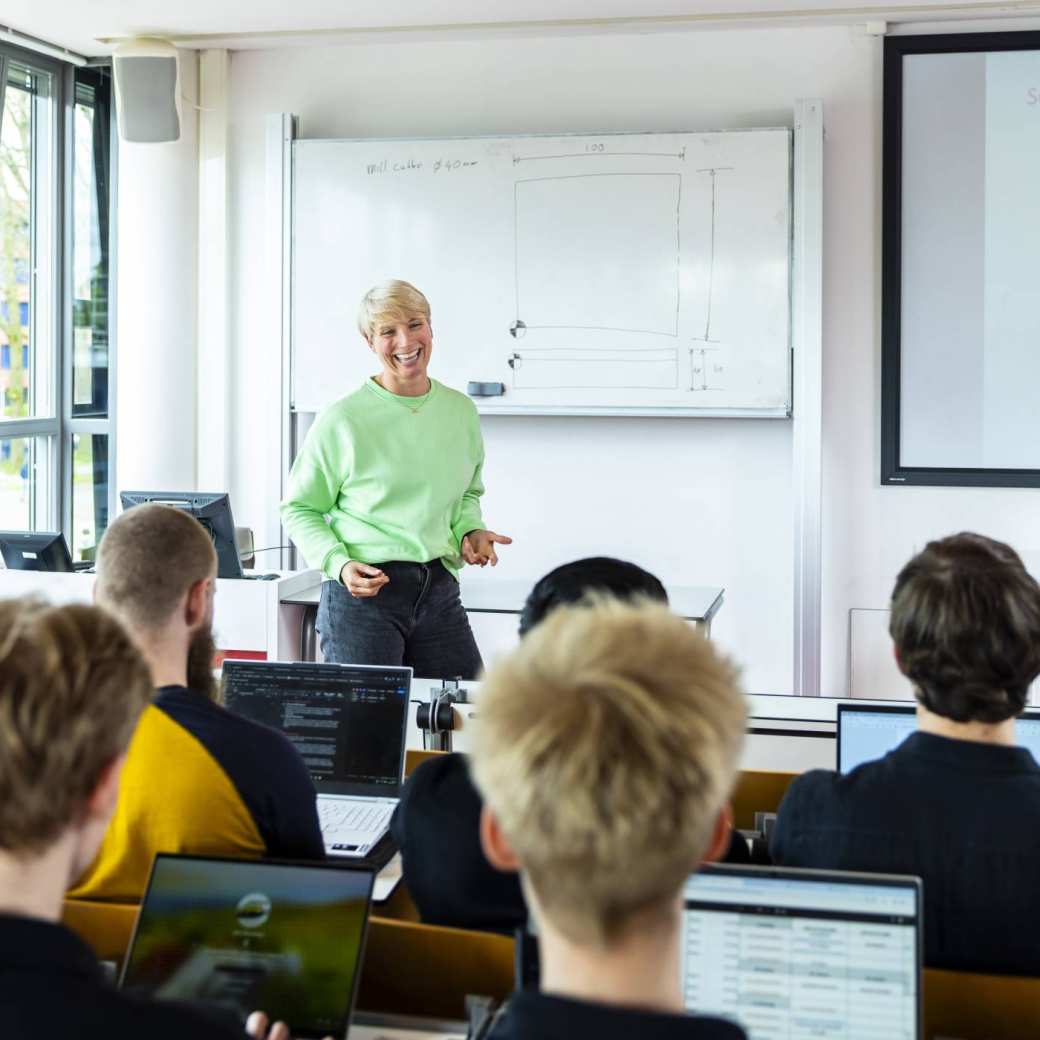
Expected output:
(395, 466)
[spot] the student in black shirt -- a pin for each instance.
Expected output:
(957, 803)
(436, 821)
(605, 751)
(72, 687)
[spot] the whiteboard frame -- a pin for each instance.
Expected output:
(806, 226)
(612, 411)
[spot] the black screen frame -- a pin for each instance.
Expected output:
(893, 472)
(299, 1030)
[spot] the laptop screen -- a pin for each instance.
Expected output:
(242, 935)
(869, 733)
(804, 952)
(347, 721)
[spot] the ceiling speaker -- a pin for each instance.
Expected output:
(148, 90)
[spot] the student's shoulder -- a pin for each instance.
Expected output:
(108, 1014)
(438, 778)
(224, 733)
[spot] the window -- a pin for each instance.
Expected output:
(55, 342)
(89, 417)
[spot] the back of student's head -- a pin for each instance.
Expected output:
(572, 582)
(606, 746)
(72, 686)
(966, 627)
(148, 559)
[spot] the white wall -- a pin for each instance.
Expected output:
(564, 487)
(157, 217)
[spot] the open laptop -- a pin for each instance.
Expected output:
(804, 952)
(348, 723)
(235, 936)
(869, 732)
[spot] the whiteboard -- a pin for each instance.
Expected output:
(603, 274)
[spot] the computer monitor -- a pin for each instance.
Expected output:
(35, 551)
(804, 952)
(347, 721)
(211, 509)
(868, 732)
(238, 935)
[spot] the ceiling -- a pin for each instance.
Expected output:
(88, 26)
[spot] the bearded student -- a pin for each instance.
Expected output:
(384, 498)
(197, 778)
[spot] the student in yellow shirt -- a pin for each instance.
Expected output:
(198, 779)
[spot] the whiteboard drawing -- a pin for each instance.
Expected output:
(706, 369)
(598, 251)
(595, 369)
(712, 172)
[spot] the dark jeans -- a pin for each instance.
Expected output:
(417, 619)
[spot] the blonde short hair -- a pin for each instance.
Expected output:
(148, 559)
(72, 686)
(605, 745)
(394, 301)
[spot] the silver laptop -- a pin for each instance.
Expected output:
(790, 953)
(236, 935)
(348, 722)
(869, 732)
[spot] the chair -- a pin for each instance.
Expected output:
(964, 1006)
(426, 970)
(758, 791)
(105, 927)
(414, 757)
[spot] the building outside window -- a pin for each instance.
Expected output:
(55, 268)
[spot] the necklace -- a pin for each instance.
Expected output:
(403, 401)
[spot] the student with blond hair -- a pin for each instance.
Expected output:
(384, 498)
(198, 778)
(606, 749)
(72, 687)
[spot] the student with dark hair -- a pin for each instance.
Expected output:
(957, 803)
(436, 822)
(572, 582)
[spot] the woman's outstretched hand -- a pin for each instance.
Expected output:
(478, 547)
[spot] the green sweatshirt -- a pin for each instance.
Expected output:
(382, 477)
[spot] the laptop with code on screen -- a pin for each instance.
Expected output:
(349, 723)
(868, 732)
(790, 953)
(233, 936)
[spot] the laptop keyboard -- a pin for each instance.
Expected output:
(352, 827)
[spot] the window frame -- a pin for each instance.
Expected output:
(52, 505)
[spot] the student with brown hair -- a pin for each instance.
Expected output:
(197, 778)
(72, 687)
(605, 750)
(957, 803)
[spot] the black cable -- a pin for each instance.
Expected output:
(253, 552)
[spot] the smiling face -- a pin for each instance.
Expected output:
(403, 346)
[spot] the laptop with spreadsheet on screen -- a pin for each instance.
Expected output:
(869, 732)
(348, 723)
(804, 952)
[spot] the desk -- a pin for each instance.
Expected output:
(483, 596)
(249, 618)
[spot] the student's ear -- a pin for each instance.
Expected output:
(497, 850)
(720, 835)
(898, 659)
(102, 801)
(196, 606)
